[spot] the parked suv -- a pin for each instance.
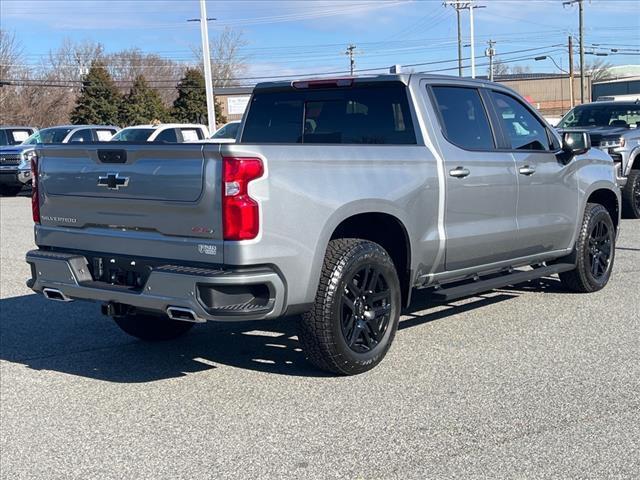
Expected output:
(613, 126)
(340, 198)
(15, 160)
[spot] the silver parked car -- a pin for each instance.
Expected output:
(340, 198)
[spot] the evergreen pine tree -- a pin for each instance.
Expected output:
(99, 100)
(142, 105)
(191, 104)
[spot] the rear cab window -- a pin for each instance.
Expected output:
(358, 114)
(191, 134)
(104, 135)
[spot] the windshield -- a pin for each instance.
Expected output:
(594, 115)
(132, 135)
(230, 130)
(48, 135)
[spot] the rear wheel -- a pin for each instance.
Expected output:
(152, 328)
(10, 190)
(631, 195)
(357, 308)
(594, 252)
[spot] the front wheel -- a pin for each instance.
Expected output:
(631, 195)
(356, 311)
(594, 252)
(152, 328)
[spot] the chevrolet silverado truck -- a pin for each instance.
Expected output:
(15, 160)
(613, 127)
(340, 198)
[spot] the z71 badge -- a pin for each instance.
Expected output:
(207, 249)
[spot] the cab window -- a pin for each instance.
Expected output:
(167, 136)
(463, 117)
(523, 130)
(81, 136)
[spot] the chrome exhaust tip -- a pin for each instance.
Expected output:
(184, 315)
(55, 295)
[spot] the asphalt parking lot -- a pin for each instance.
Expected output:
(528, 382)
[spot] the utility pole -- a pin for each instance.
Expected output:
(571, 71)
(473, 41)
(352, 61)
(581, 21)
(206, 59)
(457, 7)
(490, 52)
(466, 5)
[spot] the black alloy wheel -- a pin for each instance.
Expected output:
(593, 253)
(355, 316)
(366, 309)
(600, 244)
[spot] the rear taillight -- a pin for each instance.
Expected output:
(35, 200)
(240, 212)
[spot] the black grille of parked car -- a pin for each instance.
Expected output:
(617, 157)
(9, 158)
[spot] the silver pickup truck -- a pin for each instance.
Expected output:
(340, 198)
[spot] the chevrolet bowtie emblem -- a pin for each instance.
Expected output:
(113, 181)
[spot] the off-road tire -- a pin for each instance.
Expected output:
(152, 328)
(322, 329)
(10, 190)
(631, 195)
(581, 279)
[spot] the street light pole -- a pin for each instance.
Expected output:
(206, 58)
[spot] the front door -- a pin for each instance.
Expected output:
(548, 190)
(481, 183)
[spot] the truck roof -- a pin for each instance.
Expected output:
(367, 79)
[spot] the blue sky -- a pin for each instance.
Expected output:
(308, 36)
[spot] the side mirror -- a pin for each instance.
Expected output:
(576, 143)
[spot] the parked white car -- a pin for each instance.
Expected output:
(227, 133)
(163, 133)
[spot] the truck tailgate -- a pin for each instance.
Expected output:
(169, 193)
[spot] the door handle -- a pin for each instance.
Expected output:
(459, 172)
(527, 170)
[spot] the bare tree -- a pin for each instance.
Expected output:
(520, 69)
(163, 75)
(598, 68)
(11, 70)
(227, 60)
(500, 68)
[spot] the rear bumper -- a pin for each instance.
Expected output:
(208, 293)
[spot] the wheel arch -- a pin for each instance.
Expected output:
(387, 230)
(634, 161)
(609, 199)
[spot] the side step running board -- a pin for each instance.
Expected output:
(468, 289)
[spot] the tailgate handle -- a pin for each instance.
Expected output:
(112, 156)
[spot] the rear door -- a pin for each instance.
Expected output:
(481, 184)
(547, 187)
